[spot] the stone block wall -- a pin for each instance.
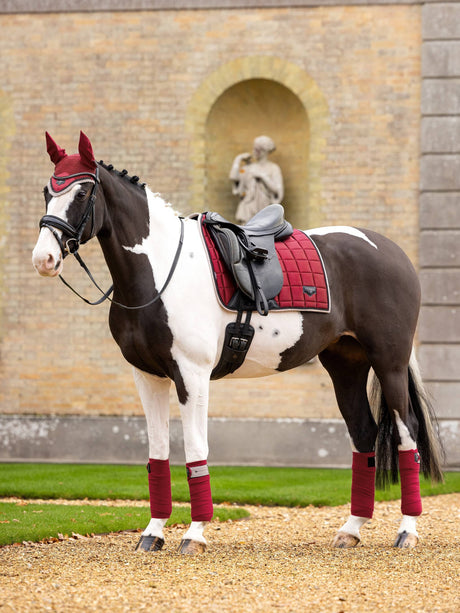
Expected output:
(131, 80)
(440, 207)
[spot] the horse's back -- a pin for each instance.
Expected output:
(365, 256)
(372, 281)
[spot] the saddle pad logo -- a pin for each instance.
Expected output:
(305, 286)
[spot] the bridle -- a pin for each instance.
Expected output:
(53, 223)
(72, 245)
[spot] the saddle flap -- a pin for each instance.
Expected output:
(250, 254)
(252, 275)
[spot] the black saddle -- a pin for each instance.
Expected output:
(250, 254)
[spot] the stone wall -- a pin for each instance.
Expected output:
(142, 85)
(440, 209)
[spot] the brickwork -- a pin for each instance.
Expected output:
(142, 85)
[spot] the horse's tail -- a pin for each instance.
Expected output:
(421, 412)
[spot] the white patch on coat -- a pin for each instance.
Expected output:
(155, 528)
(341, 230)
(154, 394)
(408, 524)
(198, 322)
(274, 334)
(195, 532)
(195, 317)
(47, 244)
(353, 525)
(407, 442)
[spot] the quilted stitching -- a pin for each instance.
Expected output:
(305, 284)
(302, 270)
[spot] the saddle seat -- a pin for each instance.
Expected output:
(249, 252)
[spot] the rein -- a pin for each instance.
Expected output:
(106, 295)
(72, 245)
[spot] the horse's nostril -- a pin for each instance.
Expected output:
(58, 263)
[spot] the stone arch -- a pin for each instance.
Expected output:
(292, 83)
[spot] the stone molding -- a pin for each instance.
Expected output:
(259, 67)
(78, 6)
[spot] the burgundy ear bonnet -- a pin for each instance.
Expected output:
(82, 164)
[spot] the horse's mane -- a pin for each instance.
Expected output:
(134, 180)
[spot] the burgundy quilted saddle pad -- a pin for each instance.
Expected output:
(305, 286)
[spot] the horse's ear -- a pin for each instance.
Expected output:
(55, 152)
(85, 150)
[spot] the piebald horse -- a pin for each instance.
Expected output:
(170, 326)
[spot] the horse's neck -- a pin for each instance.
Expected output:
(141, 224)
(164, 229)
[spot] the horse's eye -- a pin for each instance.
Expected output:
(81, 195)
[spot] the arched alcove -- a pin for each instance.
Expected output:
(245, 83)
(248, 109)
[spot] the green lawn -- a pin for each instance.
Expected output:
(34, 522)
(241, 485)
(236, 485)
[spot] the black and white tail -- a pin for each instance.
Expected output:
(428, 442)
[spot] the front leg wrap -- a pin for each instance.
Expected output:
(200, 490)
(159, 473)
(159, 488)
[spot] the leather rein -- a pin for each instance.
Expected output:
(72, 245)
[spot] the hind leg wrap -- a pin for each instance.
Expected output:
(200, 490)
(409, 470)
(363, 484)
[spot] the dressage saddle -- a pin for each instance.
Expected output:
(249, 253)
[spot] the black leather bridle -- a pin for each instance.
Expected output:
(72, 245)
(53, 223)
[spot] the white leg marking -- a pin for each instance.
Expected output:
(195, 532)
(154, 395)
(195, 412)
(408, 524)
(155, 528)
(353, 525)
(407, 442)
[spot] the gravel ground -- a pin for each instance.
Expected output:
(279, 559)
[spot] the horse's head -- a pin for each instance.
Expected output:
(70, 195)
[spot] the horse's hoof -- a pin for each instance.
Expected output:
(150, 543)
(406, 540)
(343, 540)
(191, 548)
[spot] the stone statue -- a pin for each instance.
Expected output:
(257, 181)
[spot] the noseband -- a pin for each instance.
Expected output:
(53, 223)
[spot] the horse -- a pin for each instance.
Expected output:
(170, 326)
